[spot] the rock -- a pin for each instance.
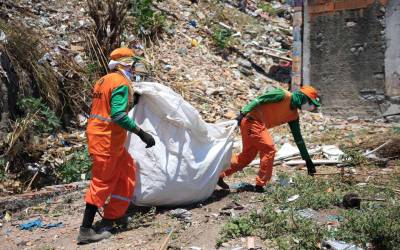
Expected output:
(182, 51)
(351, 24)
(353, 50)
(195, 248)
(78, 59)
(353, 118)
(225, 244)
(3, 37)
(244, 63)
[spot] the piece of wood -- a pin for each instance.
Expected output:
(30, 183)
(165, 242)
(376, 149)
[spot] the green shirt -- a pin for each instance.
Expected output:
(119, 105)
(273, 96)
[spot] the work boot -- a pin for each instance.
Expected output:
(88, 235)
(222, 184)
(111, 224)
(259, 189)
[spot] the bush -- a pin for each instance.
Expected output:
(46, 120)
(267, 7)
(274, 224)
(148, 22)
(222, 37)
(73, 169)
(379, 226)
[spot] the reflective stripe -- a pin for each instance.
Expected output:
(119, 117)
(105, 119)
(119, 197)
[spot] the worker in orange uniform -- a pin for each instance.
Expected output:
(269, 110)
(113, 170)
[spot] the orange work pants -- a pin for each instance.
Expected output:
(255, 138)
(112, 175)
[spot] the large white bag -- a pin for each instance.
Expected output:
(184, 165)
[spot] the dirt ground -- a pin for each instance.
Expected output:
(151, 230)
(202, 231)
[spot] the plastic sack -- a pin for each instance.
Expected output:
(184, 165)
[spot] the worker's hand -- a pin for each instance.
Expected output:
(239, 118)
(136, 97)
(310, 167)
(146, 138)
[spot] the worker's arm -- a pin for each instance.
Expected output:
(271, 96)
(119, 104)
(295, 129)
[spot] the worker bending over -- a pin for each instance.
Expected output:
(113, 169)
(269, 110)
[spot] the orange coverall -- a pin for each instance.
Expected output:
(113, 168)
(256, 138)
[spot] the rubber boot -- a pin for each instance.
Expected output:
(111, 224)
(259, 189)
(222, 184)
(88, 235)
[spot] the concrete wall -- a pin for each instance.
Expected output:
(347, 61)
(392, 58)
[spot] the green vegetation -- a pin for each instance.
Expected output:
(279, 219)
(147, 22)
(46, 120)
(267, 7)
(2, 169)
(79, 164)
(222, 37)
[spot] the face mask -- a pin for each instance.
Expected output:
(308, 107)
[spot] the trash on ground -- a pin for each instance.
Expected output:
(307, 213)
(332, 152)
(243, 186)
(37, 223)
(233, 205)
(287, 150)
(339, 245)
(293, 198)
(181, 213)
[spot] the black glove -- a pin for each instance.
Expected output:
(239, 118)
(136, 97)
(146, 138)
(310, 167)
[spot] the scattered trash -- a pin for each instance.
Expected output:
(7, 217)
(352, 200)
(243, 186)
(30, 225)
(3, 37)
(339, 245)
(293, 198)
(37, 223)
(285, 182)
(233, 205)
(193, 23)
(78, 59)
(250, 243)
(287, 150)
(181, 213)
(307, 213)
(333, 218)
(195, 248)
(332, 152)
